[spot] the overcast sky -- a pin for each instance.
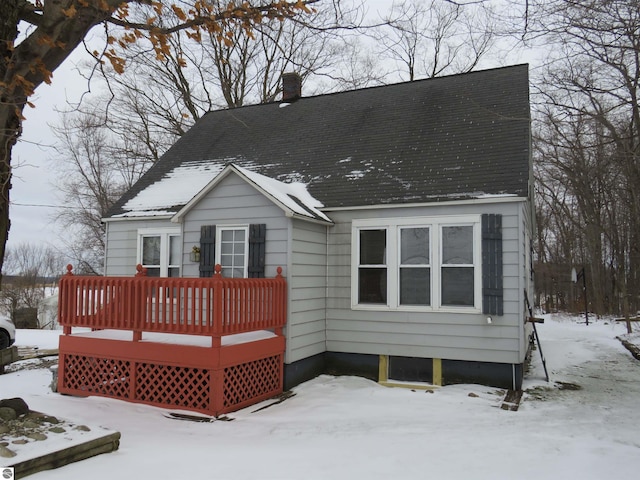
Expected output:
(33, 193)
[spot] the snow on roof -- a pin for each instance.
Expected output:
(182, 184)
(496, 195)
(175, 189)
(293, 196)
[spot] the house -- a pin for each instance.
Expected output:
(401, 216)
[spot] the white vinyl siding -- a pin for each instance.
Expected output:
(123, 240)
(299, 247)
(306, 330)
(454, 333)
(232, 204)
(318, 263)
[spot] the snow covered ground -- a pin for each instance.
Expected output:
(351, 428)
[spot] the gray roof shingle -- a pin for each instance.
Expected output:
(446, 138)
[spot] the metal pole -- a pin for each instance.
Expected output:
(574, 278)
(584, 291)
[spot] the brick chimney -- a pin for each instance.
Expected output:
(291, 87)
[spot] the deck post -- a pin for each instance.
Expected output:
(66, 304)
(217, 376)
(280, 305)
(139, 302)
(216, 388)
(216, 391)
(218, 301)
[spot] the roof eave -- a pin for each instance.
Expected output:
(292, 214)
(498, 199)
(137, 217)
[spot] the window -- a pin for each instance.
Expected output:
(175, 254)
(372, 268)
(159, 251)
(231, 251)
(151, 254)
(457, 276)
(418, 264)
(415, 266)
(239, 249)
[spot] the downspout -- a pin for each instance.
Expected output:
(290, 228)
(326, 283)
(106, 246)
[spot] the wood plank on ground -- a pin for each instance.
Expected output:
(75, 453)
(26, 353)
(8, 356)
(512, 400)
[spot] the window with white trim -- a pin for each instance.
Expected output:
(372, 266)
(457, 276)
(414, 266)
(426, 263)
(232, 245)
(160, 251)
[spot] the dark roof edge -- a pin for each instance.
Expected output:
(385, 85)
(507, 198)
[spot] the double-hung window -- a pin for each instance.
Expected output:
(159, 251)
(424, 263)
(457, 265)
(414, 269)
(372, 266)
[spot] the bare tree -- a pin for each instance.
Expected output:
(359, 67)
(589, 141)
(94, 172)
(154, 102)
(111, 140)
(54, 28)
(433, 38)
(30, 269)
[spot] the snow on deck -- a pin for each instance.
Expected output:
(178, 339)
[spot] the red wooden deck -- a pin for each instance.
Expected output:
(173, 342)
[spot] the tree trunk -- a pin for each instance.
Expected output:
(9, 132)
(10, 116)
(25, 66)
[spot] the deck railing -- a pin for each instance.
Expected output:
(213, 306)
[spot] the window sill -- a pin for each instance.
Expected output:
(416, 309)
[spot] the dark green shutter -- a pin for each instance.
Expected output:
(207, 250)
(492, 288)
(257, 243)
